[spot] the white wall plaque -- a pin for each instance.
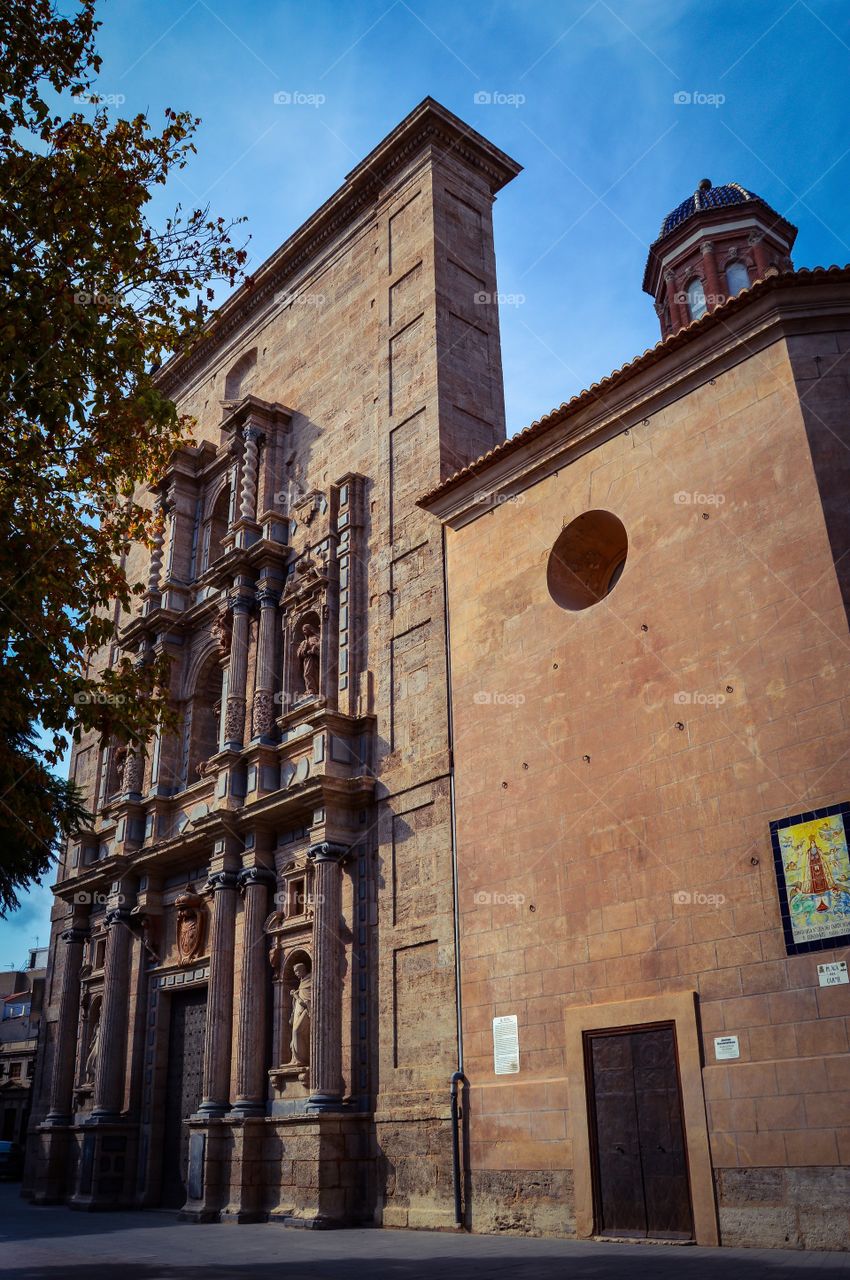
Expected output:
(833, 974)
(726, 1047)
(505, 1045)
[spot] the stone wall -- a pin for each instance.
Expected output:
(618, 766)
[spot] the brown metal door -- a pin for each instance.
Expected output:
(640, 1162)
(184, 1081)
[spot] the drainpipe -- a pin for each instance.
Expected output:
(458, 1078)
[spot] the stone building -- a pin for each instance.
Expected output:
(21, 1001)
(648, 631)
(251, 1009)
(578, 856)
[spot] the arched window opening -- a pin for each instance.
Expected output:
(696, 299)
(737, 278)
(206, 720)
(238, 380)
(219, 525)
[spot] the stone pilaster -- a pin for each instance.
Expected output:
(714, 290)
(326, 1014)
(234, 713)
(756, 242)
(251, 1077)
(112, 1042)
(677, 311)
(263, 710)
(62, 1081)
(219, 1025)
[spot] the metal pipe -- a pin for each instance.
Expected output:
(456, 1170)
(458, 1075)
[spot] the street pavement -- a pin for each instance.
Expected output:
(60, 1244)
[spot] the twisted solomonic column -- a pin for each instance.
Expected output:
(326, 1013)
(157, 555)
(250, 467)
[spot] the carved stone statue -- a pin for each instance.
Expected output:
(308, 653)
(222, 631)
(94, 1049)
(190, 926)
(302, 996)
(277, 954)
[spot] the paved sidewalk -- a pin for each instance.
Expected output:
(59, 1244)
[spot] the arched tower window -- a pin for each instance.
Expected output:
(696, 299)
(206, 719)
(219, 525)
(737, 278)
(238, 379)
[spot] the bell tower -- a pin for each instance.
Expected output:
(710, 247)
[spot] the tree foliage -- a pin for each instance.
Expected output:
(94, 294)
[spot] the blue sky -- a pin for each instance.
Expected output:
(583, 93)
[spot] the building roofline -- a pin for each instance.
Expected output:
(428, 124)
(800, 279)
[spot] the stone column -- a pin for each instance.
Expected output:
(219, 1026)
(62, 1084)
(133, 773)
(234, 712)
(326, 1013)
(157, 556)
(112, 1036)
(250, 466)
(715, 291)
(262, 714)
(251, 1077)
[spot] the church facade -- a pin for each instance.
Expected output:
(489, 810)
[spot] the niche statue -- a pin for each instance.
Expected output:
(300, 1016)
(94, 1049)
(308, 653)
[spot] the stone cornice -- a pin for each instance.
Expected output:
(428, 125)
(772, 309)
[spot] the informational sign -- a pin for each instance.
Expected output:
(726, 1047)
(833, 974)
(505, 1045)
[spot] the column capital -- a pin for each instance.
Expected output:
(116, 915)
(238, 602)
(267, 596)
(73, 935)
(328, 851)
(256, 875)
(254, 434)
(221, 880)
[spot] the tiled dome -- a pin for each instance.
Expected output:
(706, 197)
